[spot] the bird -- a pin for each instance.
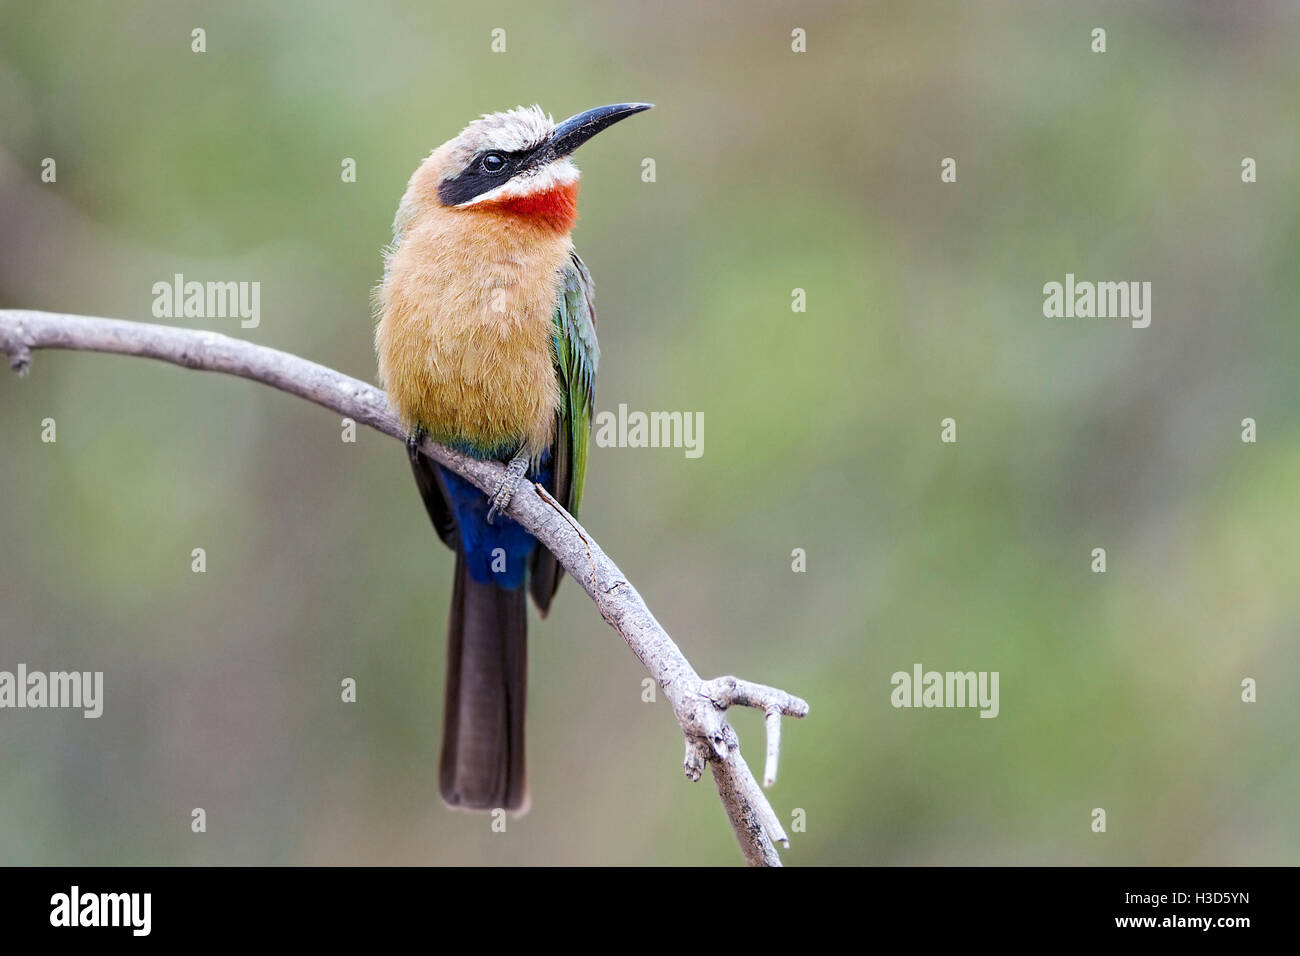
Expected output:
(486, 343)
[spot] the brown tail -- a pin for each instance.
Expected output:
(487, 675)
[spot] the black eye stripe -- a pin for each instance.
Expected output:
(475, 179)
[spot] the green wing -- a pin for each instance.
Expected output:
(576, 357)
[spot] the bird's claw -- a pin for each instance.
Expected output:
(414, 439)
(505, 489)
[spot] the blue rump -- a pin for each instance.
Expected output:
(503, 543)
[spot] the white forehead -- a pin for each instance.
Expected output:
(520, 128)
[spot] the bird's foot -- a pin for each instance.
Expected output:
(505, 489)
(414, 440)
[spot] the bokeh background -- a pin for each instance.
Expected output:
(775, 171)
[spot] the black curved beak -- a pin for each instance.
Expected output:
(576, 130)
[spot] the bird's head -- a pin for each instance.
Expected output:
(517, 163)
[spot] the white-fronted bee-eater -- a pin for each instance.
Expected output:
(487, 343)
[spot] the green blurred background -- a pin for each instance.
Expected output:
(775, 170)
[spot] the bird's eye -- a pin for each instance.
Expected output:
(493, 162)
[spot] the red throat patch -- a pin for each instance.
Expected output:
(555, 209)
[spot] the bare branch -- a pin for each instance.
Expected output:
(772, 725)
(698, 705)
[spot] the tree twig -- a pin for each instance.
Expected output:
(698, 705)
